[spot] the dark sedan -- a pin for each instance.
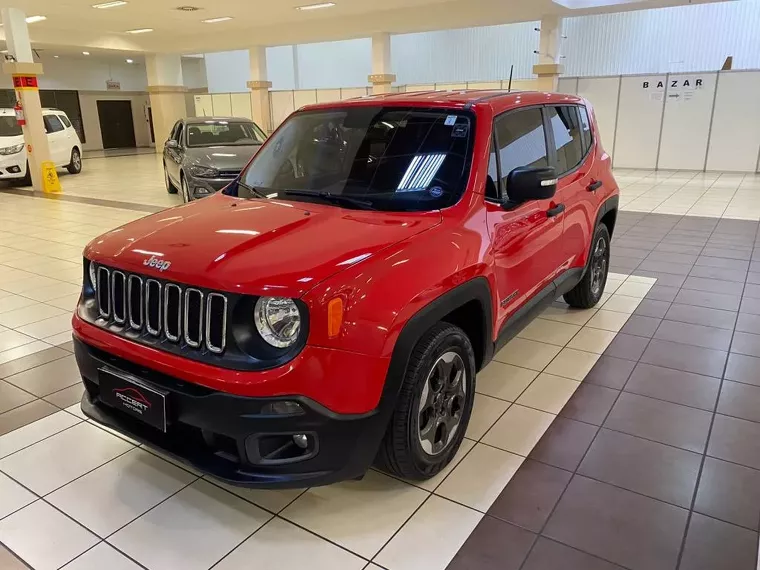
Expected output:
(204, 154)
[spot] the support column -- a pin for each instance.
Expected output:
(548, 68)
(259, 86)
(25, 72)
(167, 94)
(382, 77)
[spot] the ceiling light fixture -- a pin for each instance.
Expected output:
(217, 20)
(187, 8)
(130, 61)
(33, 19)
(316, 6)
(113, 4)
(56, 56)
(85, 53)
(140, 31)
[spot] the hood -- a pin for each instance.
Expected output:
(11, 140)
(222, 157)
(254, 246)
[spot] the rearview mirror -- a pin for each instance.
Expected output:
(171, 144)
(527, 183)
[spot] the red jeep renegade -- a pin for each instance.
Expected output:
(331, 307)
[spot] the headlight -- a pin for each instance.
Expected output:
(93, 276)
(204, 172)
(12, 149)
(277, 320)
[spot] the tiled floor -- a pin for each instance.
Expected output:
(594, 441)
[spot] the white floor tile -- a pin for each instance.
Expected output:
(49, 464)
(359, 515)
(24, 350)
(485, 412)
(567, 315)
(431, 538)
(504, 381)
(527, 353)
(592, 340)
(633, 289)
(282, 545)
(13, 496)
(34, 432)
(548, 393)
(273, 500)
(47, 327)
(621, 304)
(571, 363)
(11, 339)
(608, 320)
(191, 530)
(118, 492)
(432, 483)
(481, 476)
(76, 409)
(43, 537)
(551, 332)
(519, 430)
(101, 557)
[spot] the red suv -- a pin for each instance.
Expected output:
(331, 307)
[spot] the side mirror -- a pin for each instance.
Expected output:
(527, 183)
(171, 144)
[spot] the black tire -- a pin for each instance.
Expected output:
(27, 179)
(170, 188)
(75, 164)
(401, 453)
(186, 198)
(589, 290)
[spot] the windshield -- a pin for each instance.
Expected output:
(387, 158)
(223, 133)
(9, 126)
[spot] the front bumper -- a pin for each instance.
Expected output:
(228, 436)
(12, 165)
(202, 187)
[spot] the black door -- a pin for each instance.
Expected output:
(116, 126)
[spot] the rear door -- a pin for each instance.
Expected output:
(570, 146)
(56, 139)
(525, 240)
(71, 137)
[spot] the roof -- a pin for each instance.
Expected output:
(212, 119)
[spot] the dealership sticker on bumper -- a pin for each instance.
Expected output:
(128, 394)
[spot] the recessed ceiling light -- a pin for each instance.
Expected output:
(56, 56)
(85, 53)
(140, 31)
(187, 8)
(316, 6)
(33, 19)
(217, 20)
(130, 61)
(113, 4)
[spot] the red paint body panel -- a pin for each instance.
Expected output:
(386, 266)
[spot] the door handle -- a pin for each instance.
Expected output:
(555, 211)
(594, 186)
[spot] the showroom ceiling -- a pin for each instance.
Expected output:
(238, 24)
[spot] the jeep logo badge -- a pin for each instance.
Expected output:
(159, 264)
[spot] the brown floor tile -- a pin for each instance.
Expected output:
(706, 261)
(710, 300)
(494, 544)
(675, 386)
(641, 326)
(610, 372)
(631, 530)
(713, 285)
(550, 555)
(48, 378)
(750, 305)
(620, 264)
(12, 397)
(727, 253)
(26, 414)
(673, 257)
(564, 443)
(685, 357)
(68, 346)
(66, 397)
(631, 252)
(735, 440)
(729, 492)
(701, 316)
(646, 467)
(740, 400)
(695, 335)
(667, 279)
(531, 495)
(652, 308)
(713, 545)
(753, 277)
(9, 562)
(746, 343)
(669, 247)
(751, 290)
(33, 360)
(738, 275)
(627, 346)
(590, 404)
(667, 423)
(748, 323)
(662, 293)
(741, 368)
(666, 267)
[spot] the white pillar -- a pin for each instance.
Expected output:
(167, 94)
(548, 68)
(382, 76)
(259, 85)
(25, 72)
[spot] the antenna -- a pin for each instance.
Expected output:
(511, 70)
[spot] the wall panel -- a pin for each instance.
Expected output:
(222, 104)
(602, 93)
(241, 105)
(351, 92)
(639, 120)
(283, 104)
(203, 106)
(327, 95)
(303, 97)
(568, 85)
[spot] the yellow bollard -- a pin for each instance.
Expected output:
(50, 182)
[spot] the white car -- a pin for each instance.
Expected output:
(64, 143)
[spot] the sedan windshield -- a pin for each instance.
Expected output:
(9, 126)
(223, 133)
(384, 158)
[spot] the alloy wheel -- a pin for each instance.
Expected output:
(599, 266)
(76, 160)
(185, 192)
(442, 403)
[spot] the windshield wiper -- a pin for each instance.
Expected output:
(334, 198)
(252, 190)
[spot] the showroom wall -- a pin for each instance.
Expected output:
(88, 101)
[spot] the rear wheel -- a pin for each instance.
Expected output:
(433, 407)
(589, 290)
(75, 164)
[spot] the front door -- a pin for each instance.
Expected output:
(57, 140)
(526, 240)
(117, 127)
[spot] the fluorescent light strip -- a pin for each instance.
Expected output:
(33, 19)
(316, 6)
(140, 31)
(109, 4)
(408, 174)
(216, 20)
(426, 174)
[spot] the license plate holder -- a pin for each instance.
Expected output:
(129, 394)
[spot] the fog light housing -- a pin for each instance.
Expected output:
(14, 169)
(282, 408)
(301, 440)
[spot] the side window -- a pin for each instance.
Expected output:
(521, 140)
(175, 128)
(567, 137)
(586, 128)
(64, 120)
(52, 124)
(492, 188)
(178, 136)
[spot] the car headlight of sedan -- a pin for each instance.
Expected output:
(278, 321)
(204, 172)
(12, 149)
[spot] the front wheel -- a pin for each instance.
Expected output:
(433, 407)
(589, 290)
(185, 190)
(75, 164)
